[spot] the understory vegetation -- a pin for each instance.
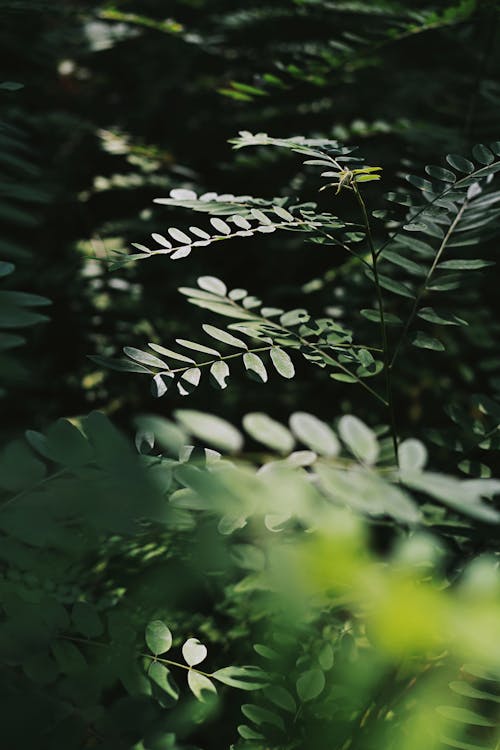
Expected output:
(249, 375)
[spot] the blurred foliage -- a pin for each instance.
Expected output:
(294, 582)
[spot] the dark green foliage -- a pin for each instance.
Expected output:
(305, 558)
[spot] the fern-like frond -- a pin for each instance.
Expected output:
(246, 217)
(257, 333)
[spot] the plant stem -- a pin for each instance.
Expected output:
(383, 326)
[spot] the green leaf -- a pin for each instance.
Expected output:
(314, 433)
(326, 657)
(462, 687)
(460, 163)
(397, 287)
(161, 676)
(359, 438)
(465, 265)
(199, 684)
(19, 468)
(281, 697)
(403, 262)
(194, 652)
(121, 365)
(423, 341)
(310, 684)
(282, 362)
(445, 319)
(260, 715)
(210, 428)
(224, 336)
(255, 367)
(267, 431)
(244, 678)
(464, 716)
(158, 637)
(482, 154)
(248, 733)
(374, 316)
(438, 173)
(343, 377)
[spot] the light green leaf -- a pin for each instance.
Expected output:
(283, 213)
(343, 377)
(222, 308)
(294, 318)
(267, 431)
(144, 358)
(282, 362)
(412, 455)
(359, 438)
(212, 284)
(244, 678)
(161, 382)
(220, 226)
(212, 429)
(198, 347)
(255, 367)
(314, 433)
(179, 236)
(224, 336)
(171, 354)
(167, 434)
(219, 371)
(194, 652)
(189, 381)
(199, 684)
